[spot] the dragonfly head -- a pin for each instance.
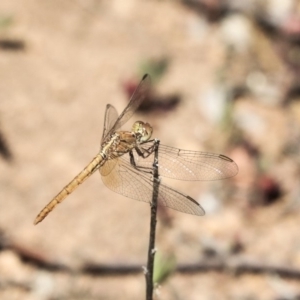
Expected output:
(142, 130)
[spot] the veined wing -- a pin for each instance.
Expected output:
(110, 118)
(129, 182)
(136, 99)
(108, 166)
(188, 165)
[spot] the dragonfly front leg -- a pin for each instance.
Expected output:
(145, 152)
(139, 168)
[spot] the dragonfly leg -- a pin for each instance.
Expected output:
(139, 168)
(145, 152)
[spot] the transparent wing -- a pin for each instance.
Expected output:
(188, 165)
(108, 167)
(110, 118)
(129, 182)
(136, 99)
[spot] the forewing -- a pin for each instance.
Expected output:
(110, 118)
(188, 165)
(136, 99)
(129, 182)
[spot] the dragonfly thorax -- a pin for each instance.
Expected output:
(143, 131)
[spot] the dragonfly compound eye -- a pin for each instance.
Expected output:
(144, 130)
(147, 132)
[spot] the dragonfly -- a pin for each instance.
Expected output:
(125, 162)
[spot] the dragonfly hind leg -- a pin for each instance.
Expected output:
(144, 153)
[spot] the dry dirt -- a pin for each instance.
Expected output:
(53, 95)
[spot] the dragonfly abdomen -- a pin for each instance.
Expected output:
(70, 187)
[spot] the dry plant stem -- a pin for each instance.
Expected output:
(153, 221)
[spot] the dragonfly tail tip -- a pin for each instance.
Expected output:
(36, 221)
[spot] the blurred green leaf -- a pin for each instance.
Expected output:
(5, 21)
(164, 266)
(155, 67)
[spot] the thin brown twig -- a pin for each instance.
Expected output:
(236, 268)
(230, 265)
(153, 221)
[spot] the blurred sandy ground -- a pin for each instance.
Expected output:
(76, 58)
